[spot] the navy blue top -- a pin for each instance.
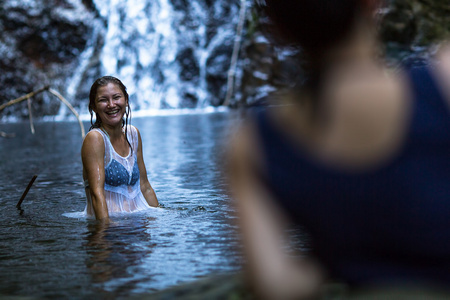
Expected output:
(391, 224)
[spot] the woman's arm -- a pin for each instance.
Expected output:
(146, 188)
(273, 273)
(92, 155)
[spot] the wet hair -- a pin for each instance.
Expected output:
(104, 81)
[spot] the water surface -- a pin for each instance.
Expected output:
(46, 254)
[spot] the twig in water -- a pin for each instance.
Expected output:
(26, 191)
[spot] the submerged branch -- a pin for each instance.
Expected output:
(26, 191)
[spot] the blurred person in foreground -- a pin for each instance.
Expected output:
(114, 171)
(358, 156)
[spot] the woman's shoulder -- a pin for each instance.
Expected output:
(94, 136)
(132, 129)
(94, 133)
(133, 135)
(93, 144)
(442, 70)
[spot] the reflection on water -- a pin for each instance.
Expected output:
(43, 253)
(113, 253)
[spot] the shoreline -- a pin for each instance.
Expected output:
(220, 286)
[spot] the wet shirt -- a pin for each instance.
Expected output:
(122, 177)
(121, 173)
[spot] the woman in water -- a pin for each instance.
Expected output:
(358, 157)
(113, 166)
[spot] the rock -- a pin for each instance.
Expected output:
(40, 45)
(409, 29)
(61, 43)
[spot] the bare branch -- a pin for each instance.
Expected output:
(23, 98)
(235, 55)
(29, 95)
(60, 97)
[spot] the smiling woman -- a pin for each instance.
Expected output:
(113, 166)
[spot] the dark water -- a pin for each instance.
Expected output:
(46, 254)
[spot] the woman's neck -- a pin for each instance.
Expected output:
(113, 132)
(361, 47)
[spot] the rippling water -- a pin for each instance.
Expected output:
(46, 254)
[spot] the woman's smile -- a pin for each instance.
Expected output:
(110, 104)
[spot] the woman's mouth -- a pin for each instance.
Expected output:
(113, 112)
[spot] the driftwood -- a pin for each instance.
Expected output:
(28, 97)
(26, 191)
(235, 54)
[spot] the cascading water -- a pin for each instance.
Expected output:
(169, 53)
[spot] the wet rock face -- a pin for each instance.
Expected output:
(176, 50)
(40, 42)
(45, 39)
(409, 28)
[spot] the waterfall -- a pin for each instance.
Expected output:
(169, 53)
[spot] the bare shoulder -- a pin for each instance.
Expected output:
(443, 69)
(443, 57)
(93, 144)
(137, 130)
(369, 116)
(138, 134)
(370, 92)
(92, 136)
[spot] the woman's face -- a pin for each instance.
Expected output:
(110, 104)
